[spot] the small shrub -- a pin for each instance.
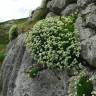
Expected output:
(52, 42)
(33, 72)
(13, 32)
(84, 86)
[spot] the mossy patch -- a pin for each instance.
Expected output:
(84, 86)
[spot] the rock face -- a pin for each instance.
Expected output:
(69, 9)
(42, 85)
(58, 5)
(14, 79)
(11, 65)
(86, 25)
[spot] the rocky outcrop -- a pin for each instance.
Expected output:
(14, 79)
(69, 9)
(43, 85)
(86, 24)
(58, 5)
(11, 65)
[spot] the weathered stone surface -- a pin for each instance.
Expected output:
(11, 65)
(58, 5)
(84, 33)
(51, 14)
(91, 8)
(91, 20)
(88, 44)
(15, 80)
(89, 50)
(38, 14)
(45, 84)
(69, 10)
(84, 3)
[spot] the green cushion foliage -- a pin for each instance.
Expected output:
(84, 86)
(13, 32)
(33, 72)
(52, 42)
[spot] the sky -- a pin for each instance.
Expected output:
(15, 9)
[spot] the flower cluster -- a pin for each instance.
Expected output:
(52, 42)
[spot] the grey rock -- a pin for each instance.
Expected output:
(69, 10)
(11, 65)
(50, 14)
(91, 8)
(91, 20)
(88, 42)
(45, 84)
(84, 3)
(89, 51)
(38, 14)
(84, 33)
(58, 5)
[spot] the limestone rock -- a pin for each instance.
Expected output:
(84, 3)
(58, 5)
(84, 33)
(38, 14)
(69, 10)
(89, 51)
(45, 84)
(91, 20)
(88, 40)
(91, 8)
(51, 14)
(11, 65)
(13, 77)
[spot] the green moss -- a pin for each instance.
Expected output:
(13, 32)
(53, 43)
(84, 86)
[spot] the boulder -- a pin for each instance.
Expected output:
(16, 81)
(84, 3)
(46, 83)
(91, 8)
(91, 20)
(69, 10)
(88, 51)
(50, 14)
(88, 42)
(38, 14)
(84, 33)
(11, 65)
(58, 5)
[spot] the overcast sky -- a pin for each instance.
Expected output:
(14, 9)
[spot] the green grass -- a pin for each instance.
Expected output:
(4, 35)
(22, 24)
(2, 52)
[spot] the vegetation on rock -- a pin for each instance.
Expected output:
(84, 86)
(33, 72)
(53, 43)
(13, 32)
